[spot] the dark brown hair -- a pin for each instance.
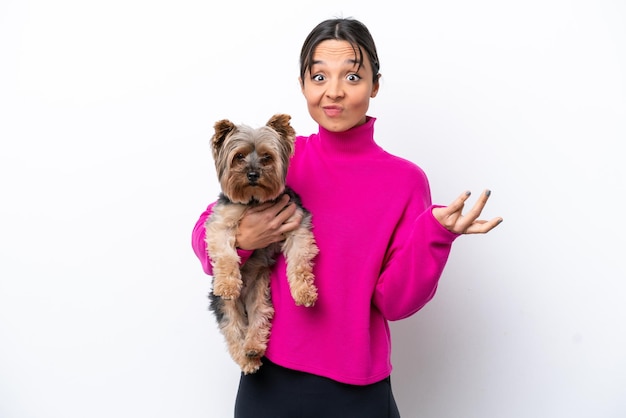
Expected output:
(341, 29)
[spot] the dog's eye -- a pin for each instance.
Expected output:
(240, 156)
(266, 159)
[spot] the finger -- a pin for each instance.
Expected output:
(282, 204)
(287, 214)
(294, 222)
(466, 221)
(478, 207)
(482, 227)
(458, 203)
(447, 215)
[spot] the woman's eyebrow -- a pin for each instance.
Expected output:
(348, 61)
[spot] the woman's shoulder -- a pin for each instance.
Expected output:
(304, 138)
(403, 164)
(305, 142)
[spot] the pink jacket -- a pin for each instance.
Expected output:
(381, 255)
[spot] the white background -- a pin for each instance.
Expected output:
(106, 110)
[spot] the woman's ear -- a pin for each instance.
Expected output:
(301, 84)
(376, 86)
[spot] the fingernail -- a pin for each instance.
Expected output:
(467, 193)
(488, 193)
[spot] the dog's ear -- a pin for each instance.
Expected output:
(280, 123)
(222, 129)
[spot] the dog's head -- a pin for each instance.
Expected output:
(251, 164)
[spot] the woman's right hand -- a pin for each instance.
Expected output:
(267, 223)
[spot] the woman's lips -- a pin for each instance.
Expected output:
(332, 111)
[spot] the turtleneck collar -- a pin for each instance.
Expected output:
(357, 140)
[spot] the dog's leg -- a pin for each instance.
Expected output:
(300, 250)
(220, 239)
(227, 283)
(260, 311)
(233, 325)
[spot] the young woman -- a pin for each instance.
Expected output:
(383, 245)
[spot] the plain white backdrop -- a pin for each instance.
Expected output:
(106, 111)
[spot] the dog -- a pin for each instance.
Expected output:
(251, 166)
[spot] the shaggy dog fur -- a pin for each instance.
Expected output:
(252, 166)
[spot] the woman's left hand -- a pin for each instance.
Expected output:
(452, 218)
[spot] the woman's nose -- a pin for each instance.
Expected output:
(335, 89)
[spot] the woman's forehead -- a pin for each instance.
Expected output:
(336, 50)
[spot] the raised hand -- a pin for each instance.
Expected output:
(452, 218)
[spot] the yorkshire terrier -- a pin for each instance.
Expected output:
(251, 166)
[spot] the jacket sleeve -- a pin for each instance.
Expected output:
(416, 260)
(412, 274)
(198, 243)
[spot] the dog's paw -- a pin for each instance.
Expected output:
(305, 296)
(253, 354)
(226, 291)
(251, 365)
(257, 351)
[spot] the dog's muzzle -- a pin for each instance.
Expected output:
(253, 177)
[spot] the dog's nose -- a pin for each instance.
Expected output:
(253, 176)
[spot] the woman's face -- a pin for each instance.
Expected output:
(336, 90)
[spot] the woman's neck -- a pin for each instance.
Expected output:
(357, 140)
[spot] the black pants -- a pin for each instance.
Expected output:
(277, 392)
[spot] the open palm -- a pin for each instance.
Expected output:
(453, 219)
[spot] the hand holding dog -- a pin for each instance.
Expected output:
(265, 224)
(452, 218)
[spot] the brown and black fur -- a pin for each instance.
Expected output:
(252, 165)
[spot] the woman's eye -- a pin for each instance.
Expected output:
(353, 77)
(318, 77)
